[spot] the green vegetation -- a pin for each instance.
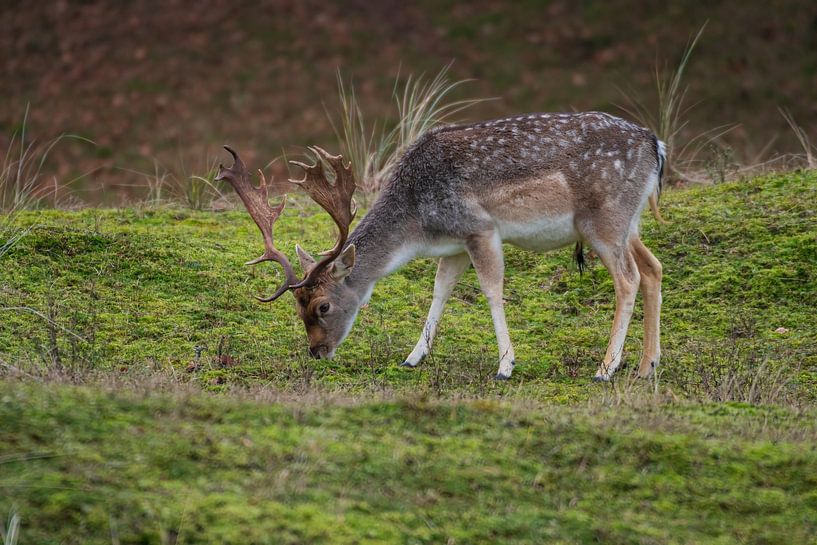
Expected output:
(358, 450)
(129, 290)
(83, 465)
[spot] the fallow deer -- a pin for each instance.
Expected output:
(537, 181)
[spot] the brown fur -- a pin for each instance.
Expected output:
(528, 199)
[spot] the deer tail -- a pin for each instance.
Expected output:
(661, 156)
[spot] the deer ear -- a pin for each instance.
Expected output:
(307, 261)
(342, 266)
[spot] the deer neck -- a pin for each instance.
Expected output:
(384, 242)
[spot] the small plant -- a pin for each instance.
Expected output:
(721, 164)
(201, 191)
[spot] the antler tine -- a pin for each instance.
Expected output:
(256, 202)
(335, 199)
(237, 162)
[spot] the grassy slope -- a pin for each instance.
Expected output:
(142, 288)
(80, 464)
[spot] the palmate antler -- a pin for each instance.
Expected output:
(335, 199)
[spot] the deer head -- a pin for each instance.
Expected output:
(324, 301)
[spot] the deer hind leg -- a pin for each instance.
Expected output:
(626, 277)
(650, 269)
(486, 255)
(448, 272)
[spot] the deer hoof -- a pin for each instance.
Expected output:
(407, 364)
(601, 378)
(500, 376)
(646, 370)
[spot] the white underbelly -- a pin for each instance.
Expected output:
(444, 248)
(541, 234)
(439, 248)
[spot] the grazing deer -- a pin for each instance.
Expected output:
(538, 181)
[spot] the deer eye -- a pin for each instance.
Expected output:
(324, 308)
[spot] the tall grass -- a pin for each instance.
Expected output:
(420, 105)
(21, 180)
(667, 120)
(22, 184)
(366, 147)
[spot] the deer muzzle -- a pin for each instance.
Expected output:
(321, 352)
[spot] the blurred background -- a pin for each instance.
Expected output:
(158, 86)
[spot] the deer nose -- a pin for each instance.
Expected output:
(315, 351)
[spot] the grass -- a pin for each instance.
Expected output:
(194, 468)
(671, 111)
(128, 321)
(142, 288)
(21, 180)
(10, 533)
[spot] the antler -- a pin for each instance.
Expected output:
(335, 199)
(255, 199)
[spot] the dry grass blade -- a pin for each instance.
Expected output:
(671, 97)
(802, 137)
(11, 532)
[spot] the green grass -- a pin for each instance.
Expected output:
(79, 463)
(140, 289)
(358, 450)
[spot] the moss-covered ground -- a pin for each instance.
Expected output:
(719, 450)
(82, 465)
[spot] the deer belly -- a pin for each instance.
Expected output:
(539, 234)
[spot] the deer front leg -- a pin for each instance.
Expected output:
(486, 255)
(448, 272)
